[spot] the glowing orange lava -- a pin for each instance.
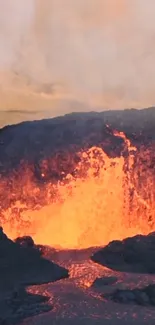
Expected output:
(104, 200)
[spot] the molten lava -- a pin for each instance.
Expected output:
(105, 199)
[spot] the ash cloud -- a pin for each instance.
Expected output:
(99, 52)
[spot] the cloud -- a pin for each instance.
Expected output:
(100, 52)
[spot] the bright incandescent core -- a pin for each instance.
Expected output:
(106, 198)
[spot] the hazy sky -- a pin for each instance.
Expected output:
(56, 53)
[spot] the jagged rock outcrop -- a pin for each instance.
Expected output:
(104, 281)
(25, 241)
(20, 304)
(140, 296)
(25, 264)
(135, 254)
(21, 264)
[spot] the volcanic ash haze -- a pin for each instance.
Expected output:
(99, 52)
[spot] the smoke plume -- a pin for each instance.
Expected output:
(96, 52)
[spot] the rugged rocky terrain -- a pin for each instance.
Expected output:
(88, 296)
(92, 293)
(135, 254)
(141, 296)
(36, 140)
(21, 264)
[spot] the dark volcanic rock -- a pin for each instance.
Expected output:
(123, 296)
(150, 291)
(21, 304)
(2, 235)
(25, 264)
(25, 241)
(136, 254)
(34, 140)
(37, 140)
(21, 264)
(144, 296)
(104, 281)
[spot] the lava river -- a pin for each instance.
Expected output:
(76, 301)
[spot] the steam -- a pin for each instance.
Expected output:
(99, 52)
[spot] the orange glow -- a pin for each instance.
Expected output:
(102, 13)
(106, 198)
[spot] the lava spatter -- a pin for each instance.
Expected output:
(102, 200)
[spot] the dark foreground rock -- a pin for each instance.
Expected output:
(104, 281)
(21, 264)
(20, 304)
(135, 254)
(143, 297)
(25, 241)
